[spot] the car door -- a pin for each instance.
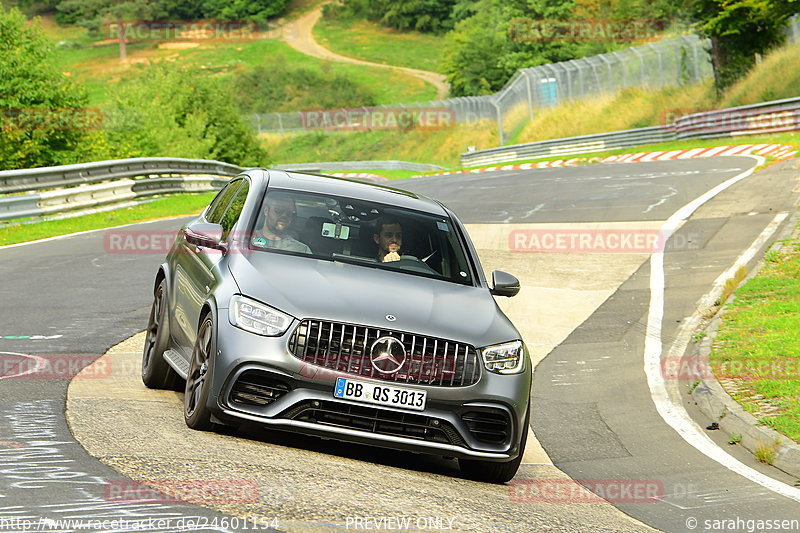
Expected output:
(193, 273)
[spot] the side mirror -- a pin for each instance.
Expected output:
(206, 235)
(504, 284)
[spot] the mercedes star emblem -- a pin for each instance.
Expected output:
(387, 355)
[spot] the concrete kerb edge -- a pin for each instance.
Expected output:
(714, 402)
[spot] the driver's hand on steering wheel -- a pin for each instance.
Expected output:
(391, 256)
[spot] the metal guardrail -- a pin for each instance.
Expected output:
(100, 194)
(567, 146)
(361, 165)
(13, 181)
(766, 117)
(89, 185)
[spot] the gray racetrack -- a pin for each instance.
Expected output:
(593, 412)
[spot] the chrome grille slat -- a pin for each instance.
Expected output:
(429, 360)
(319, 337)
(418, 378)
(424, 351)
(455, 364)
(328, 348)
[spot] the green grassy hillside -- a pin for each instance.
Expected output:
(96, 64)
(369, 41)
(776, 77)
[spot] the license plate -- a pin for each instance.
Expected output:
(380, 394)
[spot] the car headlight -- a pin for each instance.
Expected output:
(257, 318)
(508, 358)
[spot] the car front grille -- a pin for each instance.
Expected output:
(374, 420)
(256, 388)
(346, 348)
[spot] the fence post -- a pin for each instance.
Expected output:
(660, 64)
(605, 60)
(530, 96)
(624, 67)
(636, 51)
(499, 122)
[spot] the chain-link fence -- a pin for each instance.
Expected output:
(672, 62)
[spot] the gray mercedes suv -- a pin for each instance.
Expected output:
(341, 309)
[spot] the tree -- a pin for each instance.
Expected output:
(115, 15)
(420, 15)
(256, 10)
(169, 111)
(484, 50)
(43, 115)
(473, 55)
(740, 29)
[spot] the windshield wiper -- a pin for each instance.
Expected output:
(355, 260)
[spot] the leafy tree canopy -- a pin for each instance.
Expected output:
(169, 111)
(740, 29)
(43, 120)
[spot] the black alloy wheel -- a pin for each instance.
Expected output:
(195, 410)
(156, 372)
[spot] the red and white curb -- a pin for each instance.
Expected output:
(778, 151)
(362, 175)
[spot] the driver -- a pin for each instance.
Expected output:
(389, 238)
(280, 212)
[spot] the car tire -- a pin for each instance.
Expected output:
(496, 472)
(195, 409)
(156, 372)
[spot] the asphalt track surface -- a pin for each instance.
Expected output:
(592, 410)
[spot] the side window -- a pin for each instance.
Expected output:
(222, 200)
(234, 210)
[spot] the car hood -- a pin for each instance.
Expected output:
(314, 288)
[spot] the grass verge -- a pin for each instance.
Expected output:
(372, 42)
(440, 147)
(98, 66)
(15, 232)
(756, 353)
(388, 174)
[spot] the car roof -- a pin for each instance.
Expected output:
(358, 190)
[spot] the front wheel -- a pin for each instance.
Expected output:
(195, 410)
(156, 372)
(494, 472)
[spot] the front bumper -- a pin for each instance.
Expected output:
(257, 380)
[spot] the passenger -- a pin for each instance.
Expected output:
(279, 213)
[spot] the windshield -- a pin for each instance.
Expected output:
(360, 233)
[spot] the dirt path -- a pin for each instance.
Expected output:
(299, 36)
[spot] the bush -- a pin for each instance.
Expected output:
(40, 108)
(280, 87)
(169, 111)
